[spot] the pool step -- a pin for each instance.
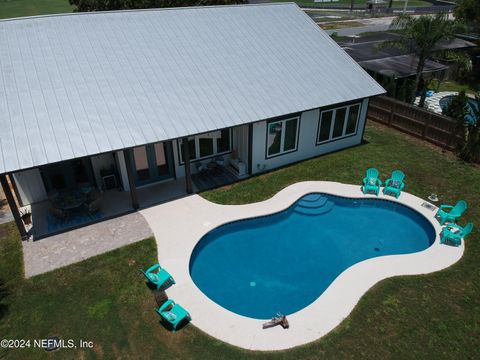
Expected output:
(312, 197)
(312, 203)
(312, 211)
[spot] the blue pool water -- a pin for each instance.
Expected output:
(283, 262)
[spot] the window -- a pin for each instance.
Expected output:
(338, 123)
(207, 145)
(352, 119)
(282, 136)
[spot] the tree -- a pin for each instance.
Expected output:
(420, 36)
(469, 146)
(102, 5)
(468, 11)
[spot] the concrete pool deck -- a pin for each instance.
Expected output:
(180, 224)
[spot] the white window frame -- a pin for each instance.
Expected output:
(282, 139)
(197, 147)
(332, 124)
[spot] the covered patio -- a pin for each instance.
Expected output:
(115, 203)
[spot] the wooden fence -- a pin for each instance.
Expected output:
(426, 125)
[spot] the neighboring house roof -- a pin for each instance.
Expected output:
(366, 48)
(400, 66)
(82, 84)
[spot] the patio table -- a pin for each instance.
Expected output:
(70, 200)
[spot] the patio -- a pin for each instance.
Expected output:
(113, 204)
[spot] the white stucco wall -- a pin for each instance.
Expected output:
(122, 170)
(306, 147)
(30, 186)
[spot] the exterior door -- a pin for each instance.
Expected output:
(152, 162)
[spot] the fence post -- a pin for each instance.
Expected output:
(427, 124)
(394, 108)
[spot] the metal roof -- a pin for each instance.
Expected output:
(82, 84)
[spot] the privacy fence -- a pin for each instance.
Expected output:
(426, 125)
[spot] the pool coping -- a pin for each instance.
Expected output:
(180, 224)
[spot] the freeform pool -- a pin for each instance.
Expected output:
(285, 261)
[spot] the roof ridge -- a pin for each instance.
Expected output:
(86, 13)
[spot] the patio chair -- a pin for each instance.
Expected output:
(201, 168)
(371, 182)
(57, 213)
(93, 202)
(394, 185)
(173, 313)
(453, 213)
(454, 233)
(158, 276)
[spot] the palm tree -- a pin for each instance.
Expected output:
(421, 36)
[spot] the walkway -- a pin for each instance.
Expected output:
(77, 245)
(180, 224)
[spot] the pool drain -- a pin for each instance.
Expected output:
(253, 283)
(376, 249)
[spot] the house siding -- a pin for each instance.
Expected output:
(307, 141)
(30, 186)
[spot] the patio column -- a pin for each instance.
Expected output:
(131, 180)
(250, 148)
(186, 160)
(13, 207)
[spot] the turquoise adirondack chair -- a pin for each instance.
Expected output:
(448, 234)
(453, 214)
(173, 313)
(158, 276)
(394, 185)
(371, 182)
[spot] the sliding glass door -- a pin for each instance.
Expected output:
(152, 162)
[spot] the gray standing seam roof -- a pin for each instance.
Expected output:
(83, 84)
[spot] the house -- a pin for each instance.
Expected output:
(108, 100)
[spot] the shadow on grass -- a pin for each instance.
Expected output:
(160, 297)
(3, 296)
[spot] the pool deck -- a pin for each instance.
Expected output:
(180, 224)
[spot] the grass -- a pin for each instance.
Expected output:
(104, 299)
(18, 8)
(451, 85)
(340, 25)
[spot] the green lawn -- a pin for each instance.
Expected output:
(18, 8)
(104, 299)
(451, 85)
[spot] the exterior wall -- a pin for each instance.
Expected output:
(240, 143)
(122, 170)
(306, 145)
(100, 162)
(30, 186)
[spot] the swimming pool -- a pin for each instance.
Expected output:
(283, 262)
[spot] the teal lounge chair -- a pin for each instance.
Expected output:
(371, 182)
(453, 214)
(160, 278)
(173, 313)
(395, 184)
(448, 234)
